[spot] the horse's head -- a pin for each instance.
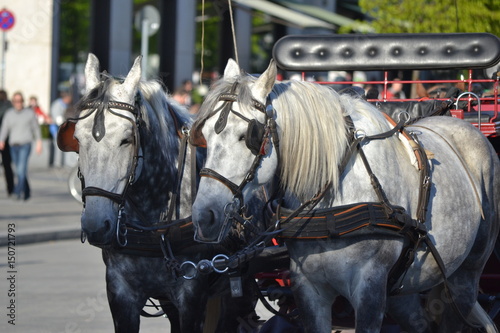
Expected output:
(106, 135)
(235, 124)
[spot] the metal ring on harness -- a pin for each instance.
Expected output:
(121, 230)
(407, 114)
(232, 207)
(186, 276)
(359, 134)
(219, 257)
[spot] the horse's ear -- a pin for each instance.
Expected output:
(91, 72)
(133, 77)
(232, 69)
(265, 83)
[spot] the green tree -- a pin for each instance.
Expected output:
(74, 29)
(431, 16)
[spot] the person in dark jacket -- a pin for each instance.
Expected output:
(5, 104)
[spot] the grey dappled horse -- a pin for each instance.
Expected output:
(128, 138)
(316, 163)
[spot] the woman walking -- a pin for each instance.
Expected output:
(21, 127)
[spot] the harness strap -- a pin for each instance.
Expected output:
(425, 182)
(375, 183)
(194, 173)
(474, 187)
(343, 220)
(389, 133)
(204, 172)
(95, 191)
(178, 180)
(447, 289)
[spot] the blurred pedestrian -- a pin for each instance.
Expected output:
(21, 126)
(58, 111)
(187, 85)
(5, 104)
(43, 118)
(181, 96)
(396, 90)
(59, 107)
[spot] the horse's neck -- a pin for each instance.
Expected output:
(152, 190)
(391, 165)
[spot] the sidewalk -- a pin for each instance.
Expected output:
(50, 214)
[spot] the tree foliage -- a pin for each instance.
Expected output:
(74, 29)
(432, 16)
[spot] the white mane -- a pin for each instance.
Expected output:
(314, 134)
(155, 99)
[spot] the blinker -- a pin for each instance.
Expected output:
(196, 137)
(255, 136)
(65, 137)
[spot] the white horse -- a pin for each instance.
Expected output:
(128, 135)
(315, 128)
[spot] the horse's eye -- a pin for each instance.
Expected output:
(242, 137)
(125, 142)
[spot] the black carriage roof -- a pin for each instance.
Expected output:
(387, 51)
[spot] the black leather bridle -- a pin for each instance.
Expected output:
(67, 142)
(119, 198)
(257, 140)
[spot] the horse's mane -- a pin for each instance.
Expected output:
(312, 129)
(158, 102)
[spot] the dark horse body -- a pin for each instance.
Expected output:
(128, 141)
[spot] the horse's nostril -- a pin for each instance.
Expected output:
(211, 218)
(107, 225)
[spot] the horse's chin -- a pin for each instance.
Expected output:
(100, 240)
(201, 238)
(102, 245)
(211, 237)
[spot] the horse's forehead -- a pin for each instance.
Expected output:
(234, 123)
(117, 93)
(114, 126)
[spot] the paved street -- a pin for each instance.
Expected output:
(57, 284)
(60, 287)
(50, 212)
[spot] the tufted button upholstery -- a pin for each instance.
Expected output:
(387, 51)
